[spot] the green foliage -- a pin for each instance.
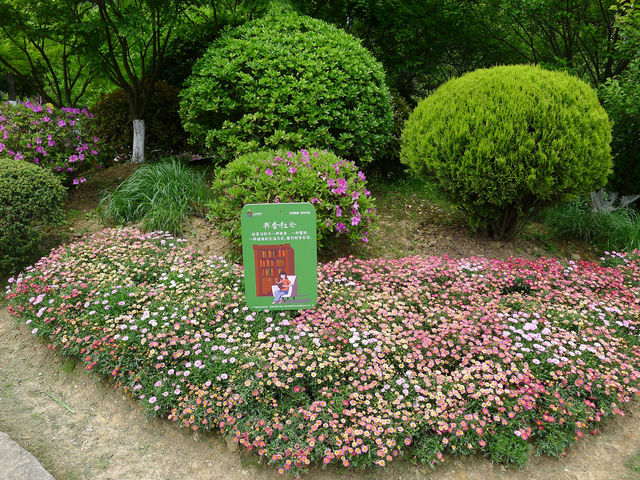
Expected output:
(618, 230)
(554, 441)
(506, 141)
(39, 43)
(421, 43)
(620, 96)
(56, 139)
(161, 195)
(113, 123)
(344, 206)
(389, 164)
(289, 81)
(505, 447)
(28, 194)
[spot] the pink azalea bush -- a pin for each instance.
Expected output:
(415, 356)
(338, 190)
(53, 138)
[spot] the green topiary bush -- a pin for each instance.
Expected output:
(287, 81)
(504, 142)
(344, 206)
(28, 194)
(112, 121)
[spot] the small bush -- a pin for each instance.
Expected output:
(113, 123)
(506, 141)
(287, 81)
(56, 139)
(28, 194)
(161, 195)
(344, 206)
(617, 230)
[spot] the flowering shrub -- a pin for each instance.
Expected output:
(344, 206)
(417, 356)
(52, 138)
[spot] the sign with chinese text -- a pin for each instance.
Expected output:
(280, 258)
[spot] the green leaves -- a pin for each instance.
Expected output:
(288, 81)
(506, 140)
(28, 194)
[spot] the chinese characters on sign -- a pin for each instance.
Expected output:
(279, 252)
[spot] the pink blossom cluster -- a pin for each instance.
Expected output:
(57, 139)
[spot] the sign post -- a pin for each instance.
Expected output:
(280, 257)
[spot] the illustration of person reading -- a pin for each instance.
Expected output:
(283, 288)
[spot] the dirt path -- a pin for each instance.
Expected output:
(109, 436)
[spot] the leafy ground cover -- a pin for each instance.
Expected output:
(415, 356)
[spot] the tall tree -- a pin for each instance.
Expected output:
(128, 39)
(576, 35)
(39, 47)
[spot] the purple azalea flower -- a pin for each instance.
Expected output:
(338, 211)
(341, 227)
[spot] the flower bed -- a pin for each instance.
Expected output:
(417, 356)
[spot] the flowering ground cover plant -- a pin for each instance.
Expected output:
(52, 138)
(415, 356)
(336, 187)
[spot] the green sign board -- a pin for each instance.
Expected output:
(280, 258)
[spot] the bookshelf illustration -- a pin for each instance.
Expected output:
(270, 260)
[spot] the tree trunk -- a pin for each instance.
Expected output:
(11, 84)
(137, 156)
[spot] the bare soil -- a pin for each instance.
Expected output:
(109, 437)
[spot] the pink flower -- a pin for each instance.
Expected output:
(341, 227)
(268, 172)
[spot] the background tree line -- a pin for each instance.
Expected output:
(71, 52)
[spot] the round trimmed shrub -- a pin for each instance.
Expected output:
(28, 194)
(113, 123)
(504, 142)
(287, 81)
(337, 189)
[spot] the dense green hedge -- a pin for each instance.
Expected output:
(113, 123)
(505, 141)
(28, 194)
(288, 81)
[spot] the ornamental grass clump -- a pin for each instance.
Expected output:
(162, 196)
(55, 139)
(505, 142)
(345, 209)
(419, 357)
